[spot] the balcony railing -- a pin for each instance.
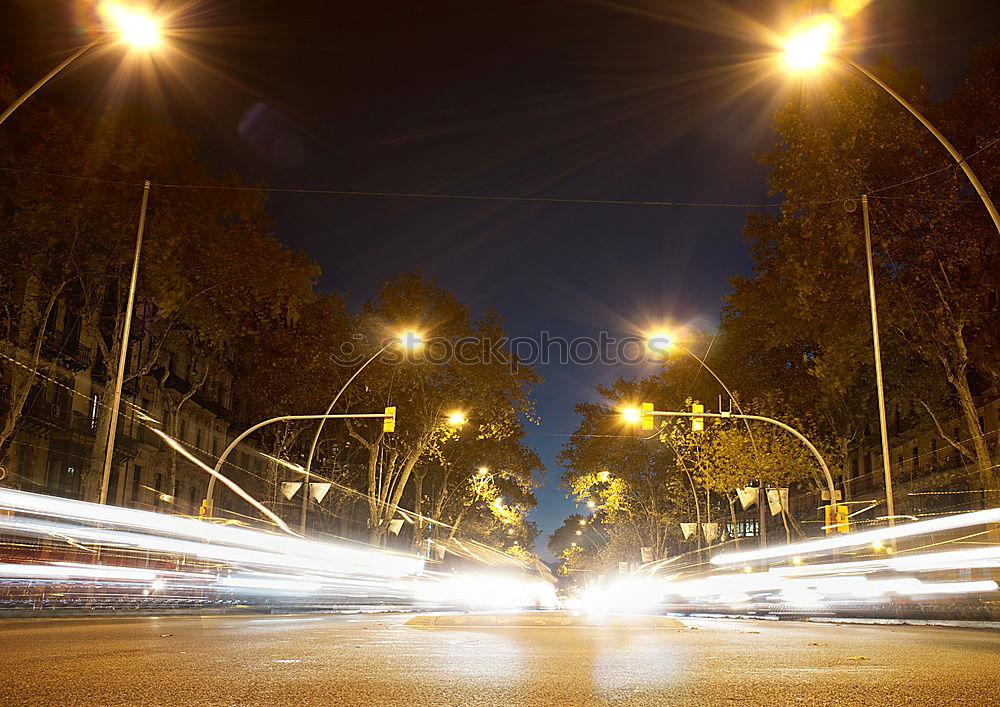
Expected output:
(70, 353)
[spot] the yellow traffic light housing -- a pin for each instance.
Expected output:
(836, 519)
(646, 416)
(697, 423)
(389, 423)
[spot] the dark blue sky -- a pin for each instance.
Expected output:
(560, 98)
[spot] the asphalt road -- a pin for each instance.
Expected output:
(338, 660)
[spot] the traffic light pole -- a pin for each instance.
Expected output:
(782, 425)
(208, 502)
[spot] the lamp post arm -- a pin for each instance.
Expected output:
(987, 201)
(319, 431)
(789, 428)
(329, 409)
(45, 79)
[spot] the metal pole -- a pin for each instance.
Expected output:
(890, 503)
(779, 423)
(246, 433)
(45, 79)
(116, 395)
(761, 516)
(977, 185)
(319, 431)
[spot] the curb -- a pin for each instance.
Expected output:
(541, 619)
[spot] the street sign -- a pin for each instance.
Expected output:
(389, 423)
(319, 489)
(289, 488)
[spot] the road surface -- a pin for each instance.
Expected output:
(378, 660)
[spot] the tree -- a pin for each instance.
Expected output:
(632, 482)
(933, 251)
(428, 386)
(209, 274)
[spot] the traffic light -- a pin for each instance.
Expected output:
(389, 423)
(697, 423)
(646, 416)
(836, 519)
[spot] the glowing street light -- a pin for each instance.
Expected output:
(456, 419)
(130, 26)
(411, 340)
(137, 29)
(660, 342)
(809, 46)
(631, 415)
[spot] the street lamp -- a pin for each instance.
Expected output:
(817, 40)
(136, 29)
(410, 341)
(457, 419)
(631, 415)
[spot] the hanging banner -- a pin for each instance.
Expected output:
(318, 490)
(290, 488)
(711, 531)
(777, 499)
(748, 496)
(395, 526)
(688, 529)
(647, 554)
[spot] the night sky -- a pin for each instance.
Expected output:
(662, 101)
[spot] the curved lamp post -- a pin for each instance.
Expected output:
(807, 48)
(207, 504)
(139, 31)
(779, 423)
(410, 341)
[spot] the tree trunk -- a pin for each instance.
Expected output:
(23, 377)
(418, 509)
(732, 516)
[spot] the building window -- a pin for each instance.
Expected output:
(197, 438)
(868, 464)
(136, 482)
(933, 453)
(95, 408)
(183, 430)
(916, 458)
(158, 486)
(854, 468)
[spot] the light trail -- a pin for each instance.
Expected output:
(190, 560)
(990, 515)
